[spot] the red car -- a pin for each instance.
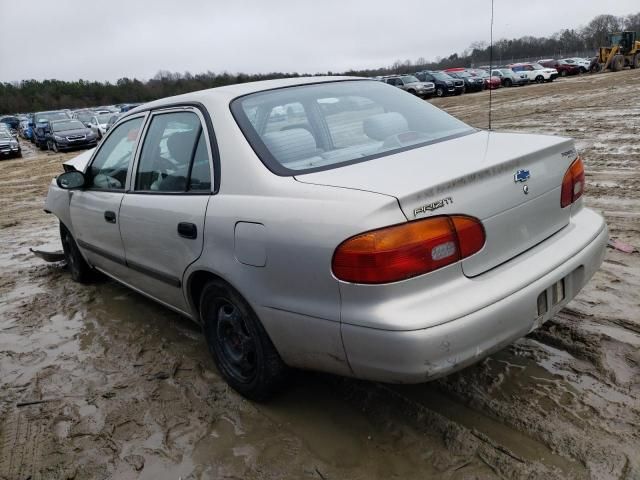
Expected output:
(563, 68)
(490, 82)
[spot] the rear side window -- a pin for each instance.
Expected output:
(337, 123)
(173, 152)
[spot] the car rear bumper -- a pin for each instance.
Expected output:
(413, 356)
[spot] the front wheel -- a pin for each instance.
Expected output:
(79, 268)
(563, 73)
(241, 348)
(539, 79)
(54, 146)
(439, 92)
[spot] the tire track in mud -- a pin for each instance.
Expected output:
(134, 393)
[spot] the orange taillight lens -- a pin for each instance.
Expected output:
(403, 251)
(572, 183)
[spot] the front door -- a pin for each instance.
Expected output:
(162, 216)
(95, 210)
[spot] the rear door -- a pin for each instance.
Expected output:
(95, 210)
(162, 215)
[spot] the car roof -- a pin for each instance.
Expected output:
(229, 92)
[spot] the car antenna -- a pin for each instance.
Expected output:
(490, 62)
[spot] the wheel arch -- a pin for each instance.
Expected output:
(194, 285)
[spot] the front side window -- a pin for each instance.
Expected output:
(174, 156)
(339, 123)
(108, 171)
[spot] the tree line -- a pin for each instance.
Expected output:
(35, 95)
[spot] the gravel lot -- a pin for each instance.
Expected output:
(98, 382)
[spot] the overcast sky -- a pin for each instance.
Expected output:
(110, 39)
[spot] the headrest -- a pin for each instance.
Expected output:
(290, 145)
(383, 125)
(180, 146)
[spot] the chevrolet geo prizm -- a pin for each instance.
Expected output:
(335, 224)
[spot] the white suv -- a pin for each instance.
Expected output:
(582, 63)
(536, 72)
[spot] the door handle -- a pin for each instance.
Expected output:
(110, 216)
(187, 230)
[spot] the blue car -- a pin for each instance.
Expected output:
(25, 130)
(41, 127)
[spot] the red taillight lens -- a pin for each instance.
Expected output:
(572, 183)
(403, 251)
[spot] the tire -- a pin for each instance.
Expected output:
(563, 73)
(508, 82)
(411, 91)
(439, 92)
(635, 61)
(241, 348)
(617, 63)
(42, 146)
(80, 270)
(55, 147)
(583, 70)
(539, 79)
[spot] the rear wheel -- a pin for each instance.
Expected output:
(563, 73)
(508, 82)
(617, 63)
(635, 61)
(241, 348)
(79, 268)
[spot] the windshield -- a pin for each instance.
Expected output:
(41, 117)
(409, 79)
(537, 66)
(70, 125)
(315, 127)
(442, 76)
(104, 117)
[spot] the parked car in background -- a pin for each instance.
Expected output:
(509, 78)
(128, 106)
(9, 145)
(411, 84)
(12, 121)
(25, 129)
(70, 134)
(490, 81)
(535, 72)
(563, 69)
(112, 120)
(84, 115)
(471, 82)
(323, 248)
(98, 123)
(445, 85)
(41, 126)
(582, 63)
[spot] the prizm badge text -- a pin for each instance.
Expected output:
(432, 206)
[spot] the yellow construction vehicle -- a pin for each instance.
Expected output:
(623, 51)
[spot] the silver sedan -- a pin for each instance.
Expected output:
(334, 224)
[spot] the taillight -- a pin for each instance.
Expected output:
(407, 250)
(572, 183)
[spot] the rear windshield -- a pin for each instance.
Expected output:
(41, 117)
(317, 127)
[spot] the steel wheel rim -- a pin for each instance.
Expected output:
(237, 346)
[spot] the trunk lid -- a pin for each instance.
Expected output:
(483, 175)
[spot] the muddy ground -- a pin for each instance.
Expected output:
(98, 382)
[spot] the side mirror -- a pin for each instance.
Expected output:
(71, 180)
